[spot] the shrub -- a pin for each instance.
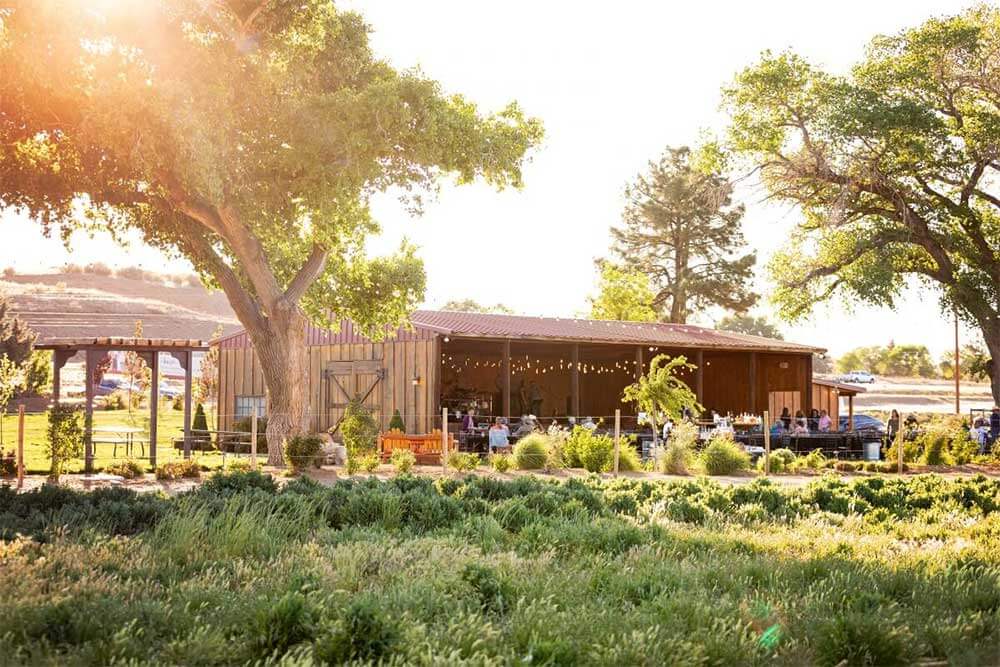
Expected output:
(187, 468)
(678, 454)
(531, 452)
(584, 449)
(814, 460)
(782, 460)
(65, 436)
(358, 428)
(8, 464)
(178, 403)
(303, 451)
(368, 463)
(463, 461)
(396, 423)
(402, 460)
(287, 622)
(501, 462)
(128, 469)
(844, 466)
(628, 457)
(238, 465)
(963, 447)
(362, 635)
(116, 400)
(722, 456)
(934, 443)
(199, 422)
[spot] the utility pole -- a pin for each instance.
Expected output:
(958, 372)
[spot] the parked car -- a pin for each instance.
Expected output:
(865, 424)
(859, 377)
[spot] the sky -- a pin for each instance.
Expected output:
(614, 84)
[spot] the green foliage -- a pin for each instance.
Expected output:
(897, 360)
(16, 339)
(628, 458)
(199, 422)
(402, 460)
(501, 462)
(678, 219)
(689, 572)
(473, 306)
(722, 456)
(304, 451)
(240, 444)
(782, 460)
(37, 374)
(116, 400)
(749, 324)
(397, 423)
(623, 294)
(183, 469)
(463, 461)
(178, 402)
(661, 391)
(358, 428)
(890, 165)
(531, 452)
(129, 469)
(678, 455)
(64, 435)
(368, 463)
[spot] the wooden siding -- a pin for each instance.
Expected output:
(827, 398)
(402, 360)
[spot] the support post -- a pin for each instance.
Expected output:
(88, 419)
(253, 439)
(444, 441)
(753, 383)
(188, 372)
(20, 446)
(506, 378)
(767, 443)
(850, 413)
(618, 437)
(958, 372)
(640, 363)
(699, 377)
(574, 385)
(154, 406)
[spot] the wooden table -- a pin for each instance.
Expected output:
(123, 435)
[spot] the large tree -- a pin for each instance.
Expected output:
(16, 339)
(749, 324)
(473, 306)
(683, 231)
(893, 166)
(247, 136)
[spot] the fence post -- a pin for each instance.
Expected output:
(899, 450)
(767, 443)
(444, 441)
(618, 436)
(253, 440)
(20, 446)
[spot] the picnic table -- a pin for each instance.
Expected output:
(120, 435)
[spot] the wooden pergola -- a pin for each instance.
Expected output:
(149, 350)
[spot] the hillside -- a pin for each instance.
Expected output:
(75, 305)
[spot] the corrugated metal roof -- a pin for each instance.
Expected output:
(427, 323)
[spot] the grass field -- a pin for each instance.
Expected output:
(484, 572)
(170, 425)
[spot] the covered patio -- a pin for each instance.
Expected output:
(149, 349)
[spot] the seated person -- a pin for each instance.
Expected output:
(589, 424)
(777, 428)
(668, 426)
(499, 436)
(824, 422)
(801, 427)
(469, 420)
(526, 426)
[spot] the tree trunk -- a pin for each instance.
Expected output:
(284, 359)
(991, 332)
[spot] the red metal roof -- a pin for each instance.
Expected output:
(428, 323)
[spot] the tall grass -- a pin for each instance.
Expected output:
(483, 571)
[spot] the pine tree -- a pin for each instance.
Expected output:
(682, 230)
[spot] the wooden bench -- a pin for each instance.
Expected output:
(426, 447)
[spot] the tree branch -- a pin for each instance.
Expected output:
(307, 275)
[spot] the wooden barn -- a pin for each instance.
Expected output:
(507, 365)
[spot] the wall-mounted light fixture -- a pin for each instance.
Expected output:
(447, 340)
(415, 381)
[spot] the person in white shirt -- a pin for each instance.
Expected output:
(668, 426)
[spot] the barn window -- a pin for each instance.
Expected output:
(247, 405)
